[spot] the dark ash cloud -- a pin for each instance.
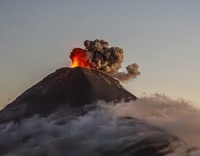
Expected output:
(98, 55)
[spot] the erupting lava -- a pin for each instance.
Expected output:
(78, 58)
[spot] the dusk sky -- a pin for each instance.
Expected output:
(162, 37)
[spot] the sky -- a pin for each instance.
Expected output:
(162, 37)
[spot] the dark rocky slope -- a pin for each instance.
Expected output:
(66, 87)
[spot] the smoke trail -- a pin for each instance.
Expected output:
(148, 126)
(132, 72)
(98, 55)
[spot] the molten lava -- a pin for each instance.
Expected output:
(78, 57)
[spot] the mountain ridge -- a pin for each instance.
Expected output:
(66, 87)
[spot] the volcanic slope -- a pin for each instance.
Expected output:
(66, 87)
(59, 116)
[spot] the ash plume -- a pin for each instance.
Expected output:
(98, 55)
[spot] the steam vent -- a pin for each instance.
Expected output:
(65, 88)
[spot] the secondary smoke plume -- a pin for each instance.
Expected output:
(98, 55)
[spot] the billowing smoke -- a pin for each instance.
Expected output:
(98, 55)
(132, 72)
(157, 126)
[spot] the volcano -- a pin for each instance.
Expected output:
(65, 88)
(60, 116)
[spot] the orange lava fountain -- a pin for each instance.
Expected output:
(78, 58)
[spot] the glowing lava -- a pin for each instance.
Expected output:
(78, 57)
